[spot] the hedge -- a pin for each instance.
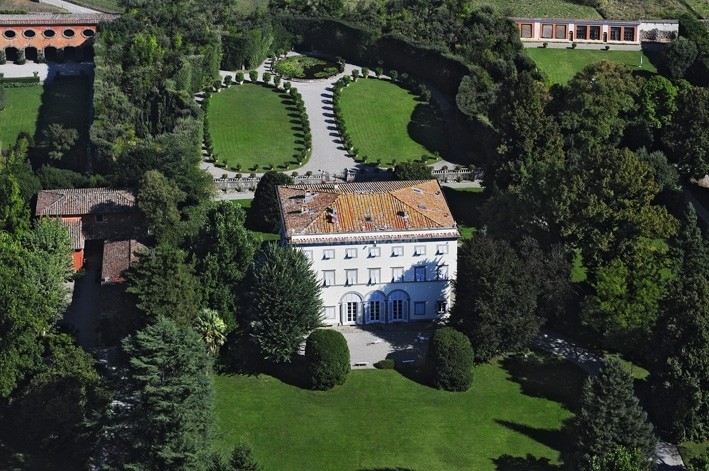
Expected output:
(450, 358)
(19, 81)
(328, 358)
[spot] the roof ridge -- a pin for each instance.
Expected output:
(418, 210)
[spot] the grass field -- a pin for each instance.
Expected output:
(541, 8)
(700, 6)
(252, 125)
(29, 6)
(382, 420)
(32, 109)
(108, 6)
(387, 122)
(561, 65)
(643, 9)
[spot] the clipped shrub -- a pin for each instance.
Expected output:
(328, 358)
(394, 75)
(378, 71)
(253, 75)
(450, 358)
(227, 81)
(239, 77)
(266, 77)
(365, 72)
(385, 364)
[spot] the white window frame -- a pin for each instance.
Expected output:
(418, 270)
(374, 307)
(397, 251)
(441, 307)
(350, 253)
(375, 276)
(351, 276)
(420, 250)
(422, 305)
(374, 252)
(330, 312)
(394, 277)
(328, 277)
(442, 249)
(397, 310)
(328, 254)
(442, 272)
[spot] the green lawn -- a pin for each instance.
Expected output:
(561, 65)
(29, 6)
(254, 126)
(635, 9)
(387, 122)
(541, 8)
(381, 420)
(700, 6)
(20, 114)
(108, 6)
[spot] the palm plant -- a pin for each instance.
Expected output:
(211, 328)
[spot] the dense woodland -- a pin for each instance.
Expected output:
(588, 175)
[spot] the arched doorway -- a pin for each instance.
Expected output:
(11, 54)
(50, 54)
(375, 308)
(70, 53)
(351, 309)
(398, 304)
(31, 53)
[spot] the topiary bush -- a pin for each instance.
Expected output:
(385, 364)
(328, 358)
(450, 358)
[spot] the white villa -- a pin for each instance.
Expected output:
(385, 252)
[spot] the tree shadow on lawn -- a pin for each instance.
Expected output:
(386, 469)
(552, 438)
(524, 463)
(547, 377)
(465, 205)
(428, 129)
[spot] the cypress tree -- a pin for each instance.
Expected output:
(264, 211)
(610, 416)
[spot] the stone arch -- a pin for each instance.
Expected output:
(31, 53)
(51, 54)
(351, 308)
(375, 307)
(11, 54)
(70, 53)
(398, 306)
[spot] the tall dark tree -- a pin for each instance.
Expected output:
(265, 211)
(167, 421)
(686, 139)
(496, 297)
(680, 374)
(165, 285)
(610, 416)
(224, 253)
(159, 198)
(679, 56)
(412, 171)
(286, 302)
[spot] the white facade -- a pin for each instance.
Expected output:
(384, 281)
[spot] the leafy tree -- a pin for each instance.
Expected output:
(412, 171)
(159, 198)
(328, 358)
(265, 208)
(610, 416)
(224, 252)
(286, 302)
(496, 297)
(606, 203)
(680, 372)
(58, 411)
(241, 459)
(620, 459)
(211, 329)
(666, 175)
(476, 93)
(598, 103)
(686, 139)
(165, 285)
(168, 421)
(450, 358)
(679, 56)
(692, 28)
(59, 139)
(657, 101)
(14, 212)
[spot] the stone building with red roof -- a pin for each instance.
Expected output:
(385, 252)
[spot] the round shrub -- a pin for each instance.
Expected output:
(328, 358)
(450, 358)
(385, 364)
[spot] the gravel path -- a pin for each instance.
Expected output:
(327, 154)
(668, 457)
(70, 7)
(46, 72)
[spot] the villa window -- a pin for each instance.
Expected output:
(374, 252)
(397, 251)
(547, 31)
(328, 254)
(525, 30)
(420, 273)
(629, 33)
(351, 253)
(374, 275)
(397, 310)
(328, 277)
(442, 272)
(441, 249)
(351, 311)
(375, 311)
(420, 308)
(594, 33)
(420, 250)
(560, 32)
(615, 33)
(581, 31)
(397, 274)
(351, 277)
(441, 307)
(330, 312)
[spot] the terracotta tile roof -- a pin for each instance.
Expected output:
(118, 255)
(70, 202)
(364, 207)
(75, 233)
(51, 19)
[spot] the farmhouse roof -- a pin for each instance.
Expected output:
(66, 202)
(118, 255)
(364, 207)
(75, 233)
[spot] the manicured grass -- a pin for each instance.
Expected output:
(380, 419)
(255, 126)
(541, 8)
(20, 114)
(387, 122)
(700, 6)
(108, 6)
(306, 67)
(561, 65)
